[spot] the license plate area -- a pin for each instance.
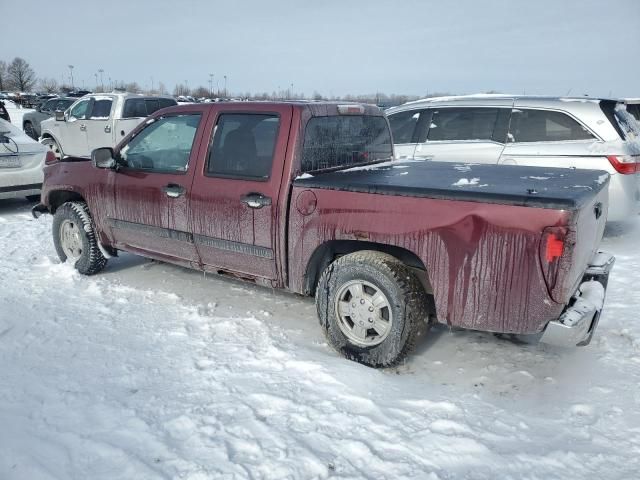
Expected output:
(10, 161)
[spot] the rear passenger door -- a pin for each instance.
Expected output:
(234, 201)
(548, 138)
(465, 134)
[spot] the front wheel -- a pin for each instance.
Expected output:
(75, 239)
(29, 130)
(372, 307)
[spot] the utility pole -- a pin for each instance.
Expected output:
(101, 71)
(71, 74)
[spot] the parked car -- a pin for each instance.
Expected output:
(21, 163)
(293, 195)
(31, 120)
(524, 130)
(97, 120)
(633, 107)
(4, 115)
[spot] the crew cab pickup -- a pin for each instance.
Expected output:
(97, 120)
(306, 197)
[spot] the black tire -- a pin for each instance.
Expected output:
(90, 260)
(408, 303)
(28, 129)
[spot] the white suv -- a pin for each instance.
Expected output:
(525, 130)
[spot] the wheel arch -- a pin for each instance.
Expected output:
(56, 198)
(326, 253)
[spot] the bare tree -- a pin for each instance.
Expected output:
(201, 92)
(49, 85)
(181, 89)
(133, 87)
(162, 90)
(3, 75)
(21, 75)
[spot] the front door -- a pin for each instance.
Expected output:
(73, 132)
(234, 204)
(98, 124)
(150, 213)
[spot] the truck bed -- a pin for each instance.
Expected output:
(554, 188)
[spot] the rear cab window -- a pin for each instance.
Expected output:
(143, 107)
(343, 141)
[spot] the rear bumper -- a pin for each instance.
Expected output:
(578, 322)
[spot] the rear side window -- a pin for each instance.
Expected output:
(143, 107)
(101, 109)
(634, 109)
(403, 126)
(627, 123)
(545, 126)
(243, 146)
(345, 140)
(454, 124)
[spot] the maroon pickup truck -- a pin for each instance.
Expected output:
(306, 197)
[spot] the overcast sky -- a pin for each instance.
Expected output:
(335, 46)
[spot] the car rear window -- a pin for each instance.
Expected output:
(545, 126)
(143, 107)
(345, 140)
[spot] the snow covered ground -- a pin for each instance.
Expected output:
(151, 371)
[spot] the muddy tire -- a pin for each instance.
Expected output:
(372, 308)
(75, 239)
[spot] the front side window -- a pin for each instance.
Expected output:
(79, 111)
(101, 109)
(243, 145)
(457, 124)
(545, 126)
(164, 146)
(344, 141)
(403, 126)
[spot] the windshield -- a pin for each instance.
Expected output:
(343, 141)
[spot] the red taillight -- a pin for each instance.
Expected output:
(554, 247)
(50, 158)
(625, 164)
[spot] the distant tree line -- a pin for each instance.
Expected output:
(18, 75)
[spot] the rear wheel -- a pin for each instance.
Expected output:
(372, 307)
(53, 146)
(29, 130)
(75, 239)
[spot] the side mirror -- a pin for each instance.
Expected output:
(103, 158)
(60, 116)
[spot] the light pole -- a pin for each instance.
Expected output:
(96, 75)
(101, 71)
(71, 73)
(210, 85)
(291, 91)
(225, 85)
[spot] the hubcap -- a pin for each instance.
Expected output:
(364, 313)
(70, 239)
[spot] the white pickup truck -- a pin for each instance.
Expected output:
(98, 120)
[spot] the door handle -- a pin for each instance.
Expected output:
(83, 127)
(107, 129)
(174, 190)
(256, 200)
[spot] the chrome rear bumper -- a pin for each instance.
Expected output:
(578, 322)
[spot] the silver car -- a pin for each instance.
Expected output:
(525, 130)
